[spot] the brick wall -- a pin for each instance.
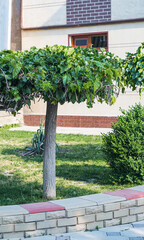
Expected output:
(88, 11)
(73, 121)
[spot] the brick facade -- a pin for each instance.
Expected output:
(88, 11)
(73, 121)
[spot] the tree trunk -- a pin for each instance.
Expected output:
(49, 172)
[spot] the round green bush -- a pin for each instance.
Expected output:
(124, 146)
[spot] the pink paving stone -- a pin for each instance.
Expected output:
(42, 207)
(127, 193)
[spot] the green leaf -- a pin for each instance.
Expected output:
(17, 98)
(113, 100)
(96, 85)
(69, 51)
(141, 91)
(16, 70)
(99, 64)
(66, 78)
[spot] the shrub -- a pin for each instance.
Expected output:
(124, 146)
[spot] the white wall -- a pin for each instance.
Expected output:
(43, 13)
(5, 24)
(127, 9)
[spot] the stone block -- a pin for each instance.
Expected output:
(111, 206)
(13, 219)
(95, 225)
(55, 214)
(129, 203)
(104, 216)
(140, 217)
(7, 228)
(136, 210)
(67, 222)
(25, 227)
(112, 222)
(46, 224)
(63, 237)
(75, 212)
(73, 203)
(86, 219)
(77, 228)
(128, 219)
(35, 233)
(35, 217)
(140, 201)
(13, 235)
(121, 213)
(94, 209)
(56, 230)
(12, 210)
(102, 198)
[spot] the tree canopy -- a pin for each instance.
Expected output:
(58, 74)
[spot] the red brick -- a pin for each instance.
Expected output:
(73, 121)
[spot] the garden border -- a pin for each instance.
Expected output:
(73, 214)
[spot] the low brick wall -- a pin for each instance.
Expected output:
(73, 121)
(98, 210)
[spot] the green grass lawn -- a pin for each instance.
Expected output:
(80, 168)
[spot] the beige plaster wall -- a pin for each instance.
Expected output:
(123, 101)
(43, 13)
(127, 9)
(122, 37)
(38, 13)
(7, 118)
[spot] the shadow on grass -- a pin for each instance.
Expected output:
(19, 153)
(86, 172)
(83, 162)
(14, 190)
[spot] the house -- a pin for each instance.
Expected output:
(10, 38)
(117, 25)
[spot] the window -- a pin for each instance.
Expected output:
(99, 40)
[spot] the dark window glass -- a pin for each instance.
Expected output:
(81, 42)
(99, 42)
